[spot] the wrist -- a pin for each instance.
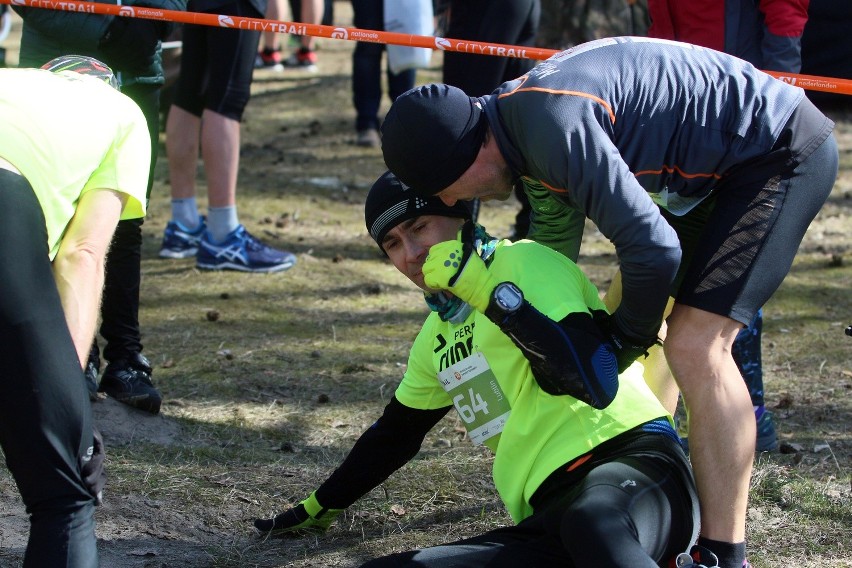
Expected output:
(312, 506)
(504, 301)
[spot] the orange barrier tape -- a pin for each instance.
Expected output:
(812, 82)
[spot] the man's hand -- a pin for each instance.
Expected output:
(454, 266)
(627, 349)
(92, 467)
(307, 516)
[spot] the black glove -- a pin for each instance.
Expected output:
(130, 44)
(627, 348)
(92, 467)
(307, 516)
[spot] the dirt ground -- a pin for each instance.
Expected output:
(298, 139)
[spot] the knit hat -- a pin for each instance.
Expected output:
(431, 136)
(390, 202)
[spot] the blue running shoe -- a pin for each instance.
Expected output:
(241, 251)
(180, 242)
(767, 439)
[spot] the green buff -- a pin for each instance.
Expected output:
(308, 515)
(455, 267)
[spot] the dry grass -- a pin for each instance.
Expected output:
(262, 403)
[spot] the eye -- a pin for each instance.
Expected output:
(390, 244)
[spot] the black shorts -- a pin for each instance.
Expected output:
(216, 65)
(739, 244)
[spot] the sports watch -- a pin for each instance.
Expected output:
(506, 300)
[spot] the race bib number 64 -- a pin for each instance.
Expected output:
(477, 396)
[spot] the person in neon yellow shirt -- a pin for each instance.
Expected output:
(587, 462)
(74, 156)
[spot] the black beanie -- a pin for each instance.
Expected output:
(390, 202)
(431, 135)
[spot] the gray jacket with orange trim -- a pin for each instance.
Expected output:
(616, 128)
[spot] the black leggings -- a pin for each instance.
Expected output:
(216, 64)
(120, 304)
(46, 422)
(632, 511)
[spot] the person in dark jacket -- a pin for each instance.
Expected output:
(131, 47)
(702, 170)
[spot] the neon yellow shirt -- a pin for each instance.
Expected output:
(67, 134)
(531, 432)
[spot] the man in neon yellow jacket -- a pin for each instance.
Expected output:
(586, 461)
(74, 156)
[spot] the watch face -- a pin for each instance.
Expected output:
(508, 296)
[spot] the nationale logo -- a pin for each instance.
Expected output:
(788, 80)
(226, 21)
(127, 12)
(340, 33)
(442, 43)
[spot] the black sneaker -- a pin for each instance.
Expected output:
(93, 367)
(129, 381)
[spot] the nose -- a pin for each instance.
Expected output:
(448, 201)
(415, 251)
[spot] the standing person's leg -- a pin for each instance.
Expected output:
(367, 73)
(127, 376)
(183, 128)
(226, 96)
(749, 360)
(225, 243)
(220, 151)
(721, 427)
(306, 58)
(47, 430)
(760, 224)
(269, 57)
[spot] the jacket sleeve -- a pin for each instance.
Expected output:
(784, 22)
(552, 223)
(391, 442)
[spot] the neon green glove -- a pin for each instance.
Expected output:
(454, 266)
(307, 516)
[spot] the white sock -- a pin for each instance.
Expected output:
(185, 213)
(221, 222)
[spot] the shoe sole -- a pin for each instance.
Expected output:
(144, 402)
(244, 268)
(171, 253)
(306, 68)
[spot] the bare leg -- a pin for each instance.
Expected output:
(273, 12)
(312, 12)
(721, 423)
(220, 150)
(182, 131)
